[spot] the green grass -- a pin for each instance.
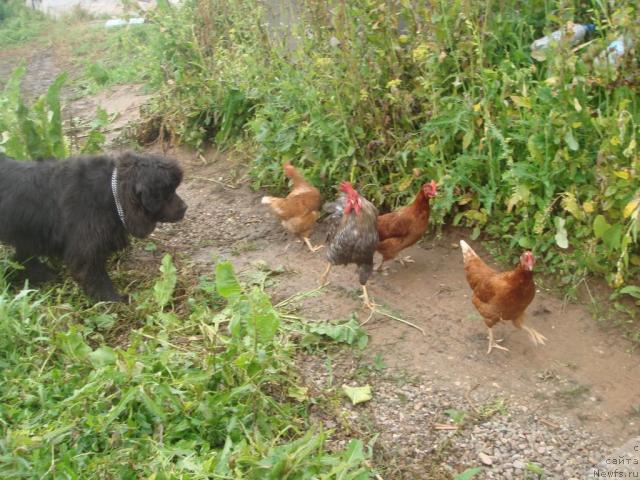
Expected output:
(19, 24)
(108, 57)
(204, 387)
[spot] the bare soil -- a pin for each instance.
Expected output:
(583, 372)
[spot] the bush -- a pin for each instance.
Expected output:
(390, 94)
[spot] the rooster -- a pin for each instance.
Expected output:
(501, 295)
(298, 212)
(404, 227)
(352, 235)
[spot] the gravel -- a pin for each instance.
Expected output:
(507, 440)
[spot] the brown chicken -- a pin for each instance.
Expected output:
(352, 235)
(501, 295)
(404, 227)
(299, 210)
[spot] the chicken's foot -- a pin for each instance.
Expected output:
(404, 260)
(325, 274)
(310, 245)
(536, 337)
(494, 343)
(381, 267)
(367, 301)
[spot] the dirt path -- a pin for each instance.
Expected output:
(582, 372)
(563, 405)
(583, 380)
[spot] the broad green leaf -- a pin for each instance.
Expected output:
(600, 225)
(72, 344)
(525, 242)
(163, 288)
(150, 404)
(571, 141)
(631, 290)
(263, 318)
(102, 356)
(468, 474)
(298, 393)
(349, 332)
(467, 139)
(222, 459)
(226, 282)
(354, 453)
(561, 233)
(357, 394)
(54, 126)
(118, 409)
(613, 236)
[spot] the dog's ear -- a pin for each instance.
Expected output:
(147, 197)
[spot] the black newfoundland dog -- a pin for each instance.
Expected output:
(83, 209)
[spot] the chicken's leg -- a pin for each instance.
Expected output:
(367, 301)
(536, 337)
(325, 274)
(311, 247)
(494, 343)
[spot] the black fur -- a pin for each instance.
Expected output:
(66, 209)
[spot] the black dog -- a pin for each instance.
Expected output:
(83, 209)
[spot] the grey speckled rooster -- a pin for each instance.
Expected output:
(352, 235)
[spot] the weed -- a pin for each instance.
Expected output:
(36, 131)
(18, 23)
(201, 393)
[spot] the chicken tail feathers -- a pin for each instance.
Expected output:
(467, 251)
(274, 203)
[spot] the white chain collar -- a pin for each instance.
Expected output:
(114, 190)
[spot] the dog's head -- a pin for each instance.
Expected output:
(149, 184)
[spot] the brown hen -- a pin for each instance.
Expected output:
(501, 295)
(404, 227)
(298, 212)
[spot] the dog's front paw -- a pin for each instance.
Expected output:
(111, 296)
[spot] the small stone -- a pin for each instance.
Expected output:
(519, 464)
(485, 459)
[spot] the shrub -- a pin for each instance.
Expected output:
(391, 94)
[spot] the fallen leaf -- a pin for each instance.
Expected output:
(358, 394)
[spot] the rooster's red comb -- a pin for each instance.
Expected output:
(346, 187)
